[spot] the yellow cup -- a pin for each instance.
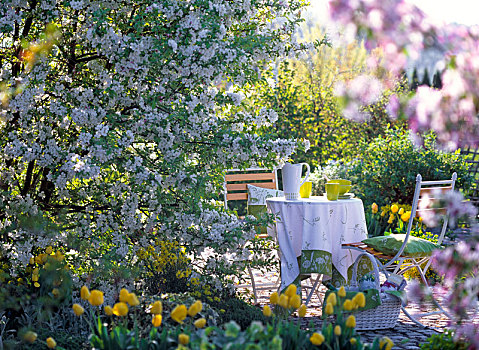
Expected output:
(332, 191)
(305, 189)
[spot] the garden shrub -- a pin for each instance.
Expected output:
(386, 170)
(237, 310)
(444, 341)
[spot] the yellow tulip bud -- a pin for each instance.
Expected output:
(196, 307)
(351, 321)
(34, 278)
(120, 309)
(283, 301)
(36, 284)
(291, 290)
(387, 342)
(332, 299)
(342, 292)
(183, 339)
(337, 330)
(394, 208)
(30, 337)
(84, 293)
(360, 299)
(96, 298)
(200, 323)
(274, 298)
(179, 313)
(302, 310)
(124, 295)
(108, 310)
(78, 309)
(374, 208)
(401, 211)
(156, 308)
(405, 217)
(49, 250)
(348, 305)
(51, 343)
(133, 300)
(329, 309)
(316, 339)
(353, 341)
(295, 301)
(383, 213)
(156, 320)
(267, 311)
(31, 262)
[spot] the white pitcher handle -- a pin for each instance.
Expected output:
(307, 173)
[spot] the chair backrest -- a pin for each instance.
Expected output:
(431, 188)
(236, 181)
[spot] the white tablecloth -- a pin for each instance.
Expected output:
(310, 232)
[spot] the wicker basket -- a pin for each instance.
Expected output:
(381, 317)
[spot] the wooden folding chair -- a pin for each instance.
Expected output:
(236, 189)
(400, 263)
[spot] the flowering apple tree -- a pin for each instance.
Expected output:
(119, 119)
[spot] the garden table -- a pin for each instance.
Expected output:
(310, 232)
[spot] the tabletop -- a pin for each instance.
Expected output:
(310, 232)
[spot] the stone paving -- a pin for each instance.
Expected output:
(405, 335)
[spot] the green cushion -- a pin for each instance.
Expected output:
(257, 201)
(390, 245)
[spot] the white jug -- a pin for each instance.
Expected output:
(292, 179)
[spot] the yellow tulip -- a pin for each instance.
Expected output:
(353, 341)
(387, 342)
(179, 313)
(156, 308)
(374, 208)
(32, 261)
(394, 208)
(120, 309)
(351, 321)
(59, 256)
(183, 339)
(291, 290)
(108, 310)
(96, 297)
(337, 330)
(133, 300)
(329, 309)
(49, 250)
(35, 278)
(30, 337)
(78, 309)
(332, 299)
(274, 298)
(124, 295)
(267, 311)
(84, 293)
(156, 320)
(295, 301)
(316, 339)
(342, 292)
(51, 343)
(383, 213)
(302, 310)
(283, 301)
(405, 217)
(196, 307)
(360, 299)
(348, 305)
(55, 292)
(200, 323)
(36, 284)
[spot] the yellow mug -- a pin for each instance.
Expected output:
(332, 191)
(305, 189)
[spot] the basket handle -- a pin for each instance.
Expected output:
(354, 277)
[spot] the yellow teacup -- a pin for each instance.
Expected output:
(332, 191)
(305, 189)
